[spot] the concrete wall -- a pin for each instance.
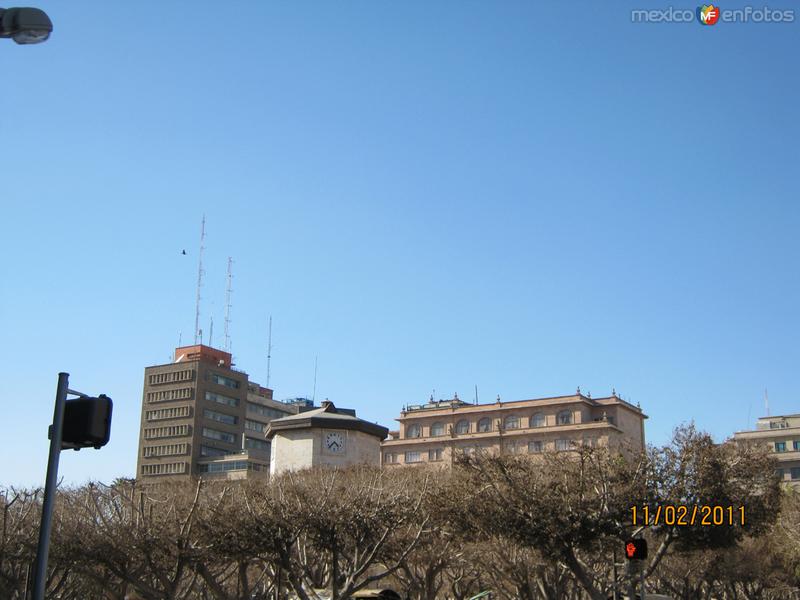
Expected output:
(303, 448)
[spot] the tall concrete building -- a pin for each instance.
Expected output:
(202, 417)
(436, 431)
(781, 434)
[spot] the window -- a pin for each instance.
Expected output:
(437, 429)
(221, 417)
(462, 427)
(562, 445)
(222, 436)
(221, 467)
(173, 377)
(389, 458)
(413, 431)
(413, 457)
(165, 450)
(165, 469)
(564, 417)
(514, 447)
(151, 433)
(222, 380)
(779, 473)
(254, 426)
(210, 451)
(435, 454)
(795, 472)
(222, 399)
(796, 445)
(265, 411)
(537, 420)
(175, 412)
(535, 447)
(780, 446)
(167, 395)
(511, 422)
(484, 425)
(256, 444)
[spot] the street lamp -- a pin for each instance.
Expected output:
(25, 25)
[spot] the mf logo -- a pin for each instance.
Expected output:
(708, 14)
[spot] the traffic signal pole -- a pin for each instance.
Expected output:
(51, 480)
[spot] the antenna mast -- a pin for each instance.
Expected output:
(269, 348)
(314, 393)
(228, 292)
(211, 332)
(197, 334)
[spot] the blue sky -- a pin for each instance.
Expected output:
(522, 196)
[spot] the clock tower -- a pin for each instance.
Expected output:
(326, 436)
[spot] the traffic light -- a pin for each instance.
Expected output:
(87, 422)
(636, 549)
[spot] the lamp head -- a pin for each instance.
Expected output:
(25, 25)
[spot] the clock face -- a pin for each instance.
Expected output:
(334, 442)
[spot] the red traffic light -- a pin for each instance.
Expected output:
(636, 549)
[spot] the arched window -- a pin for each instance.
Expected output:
(462, 427)
(413, 431)
(537, 420)
(437, 429)
(564, 417)
(485, 425)
(511, 422)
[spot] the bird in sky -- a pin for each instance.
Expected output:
(183, 252)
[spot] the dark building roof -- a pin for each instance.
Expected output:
(326, 416)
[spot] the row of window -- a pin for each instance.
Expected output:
(435, 454)
(222, 399)
(221, 436)
(265, 411)
(565, 417)
(222, 380)
(211, 451)
(794, 473)
(781, 446)
(177, 468)
(237, 465)
(171, 377)
(165, 450)
(152, 433)
(176, 412)
(184, 393)
(256, 444)
(221, 417)
(255, 426)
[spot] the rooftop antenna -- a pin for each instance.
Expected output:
(269, 348)
(211, 332)
(180, 338)
(314, 393)
(766, 401)
(197, 333)
(476, 393)
(228, 307)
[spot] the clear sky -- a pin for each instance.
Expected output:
(523, 196)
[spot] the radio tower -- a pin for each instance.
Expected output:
(199, 281)
(269, 348)
(228, 292)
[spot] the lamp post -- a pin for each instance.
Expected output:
(25, 25)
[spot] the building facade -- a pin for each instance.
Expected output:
(324, 437)
(781, 434)
(437, 431)
(201, 417)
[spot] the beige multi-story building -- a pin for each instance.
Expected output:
(782, 435)
(202, 417)
(436, 431)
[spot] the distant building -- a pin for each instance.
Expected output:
(781, 434)
(435, 432)
(326, 436)
(202, 417)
